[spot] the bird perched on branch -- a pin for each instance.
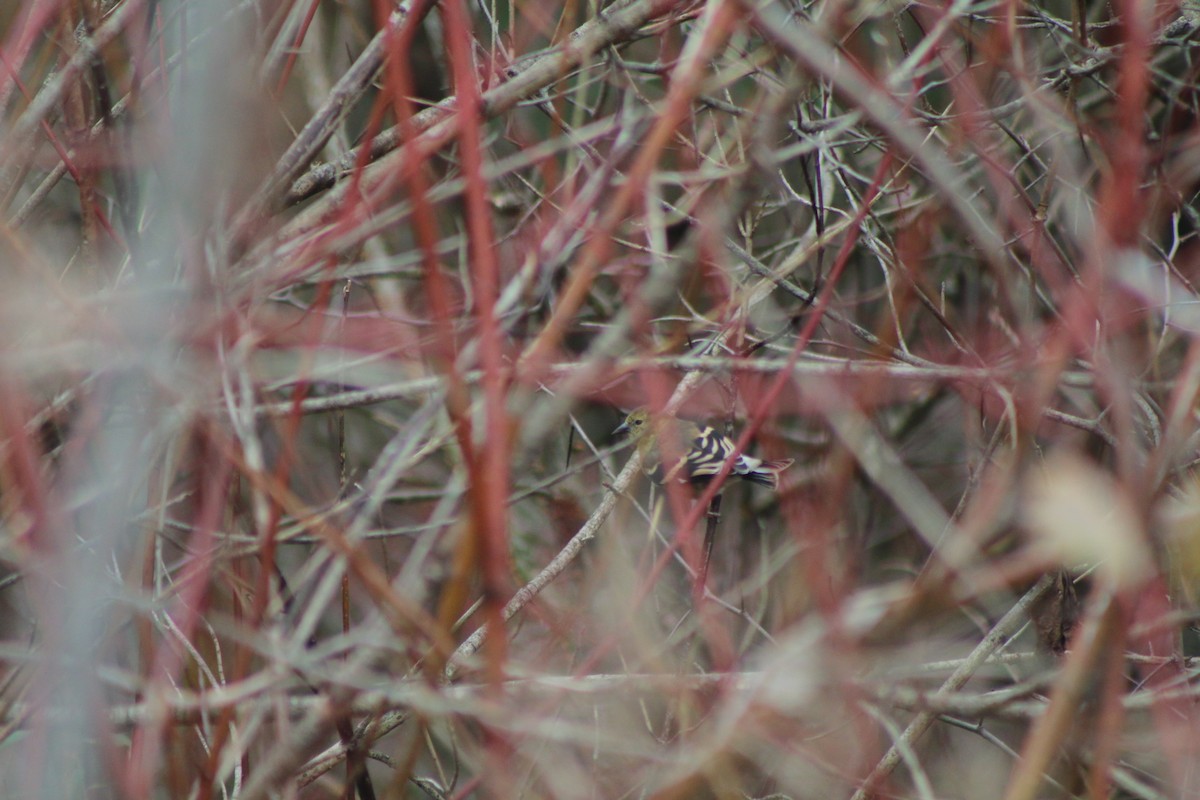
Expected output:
(703, 451)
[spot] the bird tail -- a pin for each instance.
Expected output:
(767, 473)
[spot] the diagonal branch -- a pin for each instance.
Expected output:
(999, 635)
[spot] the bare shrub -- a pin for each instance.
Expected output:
(317, 318)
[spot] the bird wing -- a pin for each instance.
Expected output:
(708, 452)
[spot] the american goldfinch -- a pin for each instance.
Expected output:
(704, 451)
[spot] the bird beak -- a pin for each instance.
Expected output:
(621, 429)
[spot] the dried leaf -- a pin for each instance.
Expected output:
(1078, 516)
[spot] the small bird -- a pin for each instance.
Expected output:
(704, 451)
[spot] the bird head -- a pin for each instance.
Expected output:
(635, 425)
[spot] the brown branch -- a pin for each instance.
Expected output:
(997, 637)
(611, 26)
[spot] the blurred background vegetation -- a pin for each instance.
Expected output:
(318, 315)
